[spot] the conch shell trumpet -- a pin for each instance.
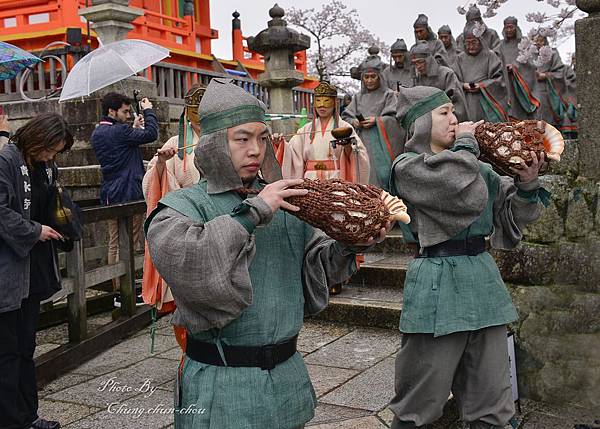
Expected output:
(509, 144)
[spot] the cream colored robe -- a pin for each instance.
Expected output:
(299, 150)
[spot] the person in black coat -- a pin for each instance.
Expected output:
(29, 270)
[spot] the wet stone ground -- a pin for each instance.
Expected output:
(352, 370)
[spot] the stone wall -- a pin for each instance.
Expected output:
(554, 278)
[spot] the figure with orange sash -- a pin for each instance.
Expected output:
(372, 113)
(171, 168)
(311, 154)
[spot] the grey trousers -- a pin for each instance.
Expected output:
(473, 365)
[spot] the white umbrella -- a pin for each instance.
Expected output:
(110, 63)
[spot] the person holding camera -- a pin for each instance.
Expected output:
(116, 144)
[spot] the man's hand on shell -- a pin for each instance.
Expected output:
(274, 194)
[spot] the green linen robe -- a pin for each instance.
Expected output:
(204, 246)
(443, 295)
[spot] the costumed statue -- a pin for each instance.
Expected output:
(551, 88)
(244, 272)
(372, 113)
(480, 72)
(452, 49)
(171, 168)
(456, 306)
(519, 77)
(310, 152)
(489, 36)
(401, 72)
(423, 32)
(430, 73)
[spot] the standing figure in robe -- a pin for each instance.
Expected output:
(244, 273)
(551, 86)
(401, 72)
(423, 32)
(480, 71)
(310, 154)
(430, 73)
(456, 306)
(519, 77)
(489, 36)
(452, 50)
(372, 113)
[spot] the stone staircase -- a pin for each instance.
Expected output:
(374, 295)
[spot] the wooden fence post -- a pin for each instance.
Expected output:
(76, 301)
(126, 249)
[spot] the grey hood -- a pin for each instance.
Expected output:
(418, 124)
(226, 105)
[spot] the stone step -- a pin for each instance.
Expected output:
(383, 271)
(365, 306)
(393, 244)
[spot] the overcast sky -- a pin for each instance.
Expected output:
(387, 19)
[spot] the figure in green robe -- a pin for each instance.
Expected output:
(480, 72)
(430, 73)
(456, 306)
(243, 274)
(423, 32)
(452, 49)
(372, 113)
(519, 76)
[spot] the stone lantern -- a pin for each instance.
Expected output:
(278, 44)
(111, 19)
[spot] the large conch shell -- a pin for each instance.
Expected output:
(346, 211)
(509, 144)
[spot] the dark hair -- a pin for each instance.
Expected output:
(114, 100)
(43, 132)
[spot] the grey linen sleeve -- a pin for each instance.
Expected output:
(513, 210)
(205, 265)
(326, 262)
(446, 189)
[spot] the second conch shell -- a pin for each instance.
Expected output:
(396, 207)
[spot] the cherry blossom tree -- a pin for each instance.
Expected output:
(339, 40)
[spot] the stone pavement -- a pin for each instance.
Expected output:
(352, 370)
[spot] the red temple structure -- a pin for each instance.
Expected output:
(33, 24)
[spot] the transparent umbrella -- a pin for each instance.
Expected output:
(110, 63)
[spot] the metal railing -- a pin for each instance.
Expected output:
(172, 80)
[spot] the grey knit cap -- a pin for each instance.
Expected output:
(399, 46)
(226, 105)
(421, 49)
(445, 29)
(414, 113)
(473, 14)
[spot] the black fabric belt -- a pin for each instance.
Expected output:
(471, 246)
(264, 357)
